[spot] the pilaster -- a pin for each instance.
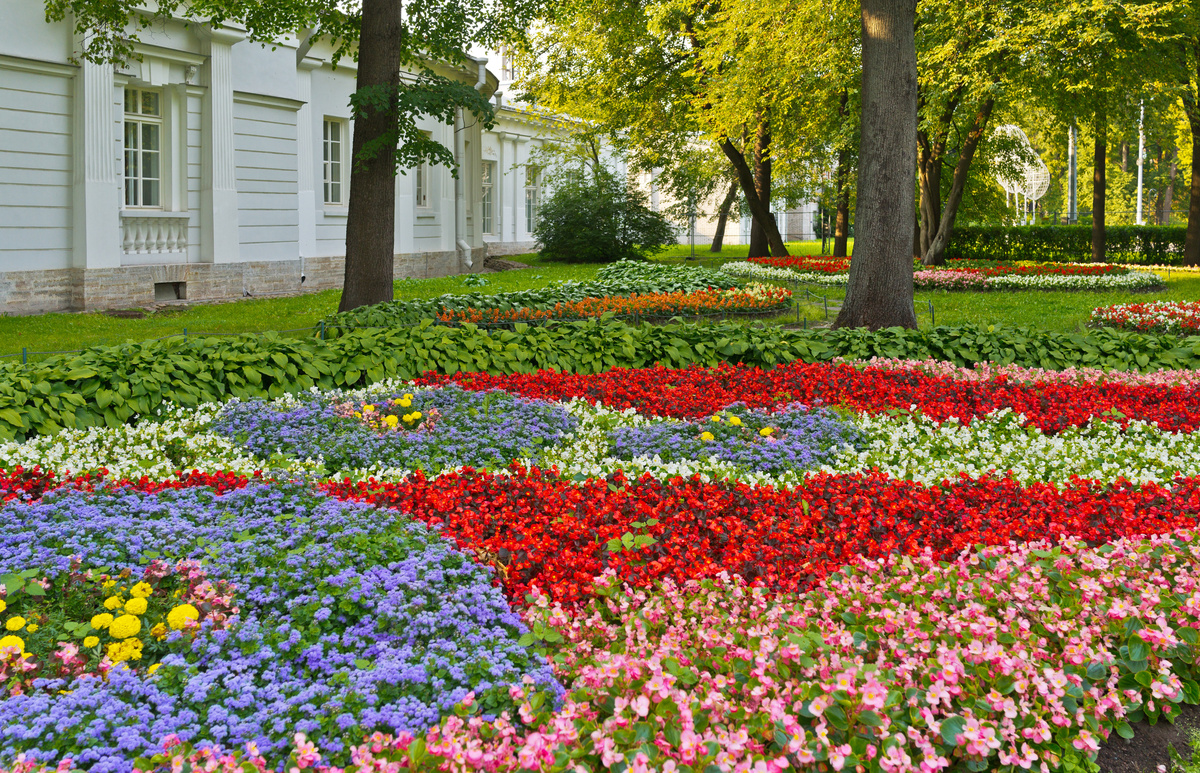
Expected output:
(218, 183)
(96, 218)
(306, 156)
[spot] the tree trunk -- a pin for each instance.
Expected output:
(841, 226)
(762, 185)
(880, 290)
(1191, 241)
(1124, 158)
(929, 174)
(1098, 187)
(753, 202)
(723, 217)
(371, 219)
(935, 253)
(1169, 193)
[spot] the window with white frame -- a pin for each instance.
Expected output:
(489, 168)
(143, 148)
(421, 192)
(533, 194)
(334, 139)
(508, 68)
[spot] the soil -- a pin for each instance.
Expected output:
(1148, 748)
(492, 265)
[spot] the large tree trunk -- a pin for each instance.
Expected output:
(371, 219)
(1098, 187)
(929, 174)
(841, 223)
(759, 247)
(1168, 197)
(757, 208)
(1191, 242)
(935, 253)
(723, 217)
(880, 290)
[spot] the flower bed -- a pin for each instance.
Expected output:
(1153, 317)
(1037, 277)
(755, 298)
(766, 542)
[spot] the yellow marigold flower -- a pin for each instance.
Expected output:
(101, 621)
(153, 668)
(765, 431)
(159, 631)
(735, 421)
(3, 606)
(416, 415)
(177, 618)
(706, 436)
(15, 623)
(716, 418)
(405, 403)
(32, 627)
(408, 396)
(142, 590)
(108, 583)
(368, 408)
(125, 626)
(112, 602)
(12, 641)
(391, 421)
(91, 641)
(357, 415)
(136, 606)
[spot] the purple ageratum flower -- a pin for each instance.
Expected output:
(797, 437)
(477, 429)
(412, 625)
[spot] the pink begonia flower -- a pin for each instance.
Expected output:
(838, 754)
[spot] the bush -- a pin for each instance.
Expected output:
(1144, 245)
(599, 219)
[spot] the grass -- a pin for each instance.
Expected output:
(1062, 311)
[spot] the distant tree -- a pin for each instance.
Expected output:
(599, 219)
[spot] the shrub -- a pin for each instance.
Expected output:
(1135, 244)
(599, 220)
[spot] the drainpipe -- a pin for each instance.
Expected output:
(460, 204)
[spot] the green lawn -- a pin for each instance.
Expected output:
(1064, 311)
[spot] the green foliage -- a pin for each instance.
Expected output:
(113, 385)
(619, 279)
(599, 219)
(1146, 245)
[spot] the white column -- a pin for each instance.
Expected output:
(521, 159)
(498, 187)
(306, 158)
(97, 194)
(218, 183)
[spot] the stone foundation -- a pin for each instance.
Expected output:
(75, 289)
(511, 248)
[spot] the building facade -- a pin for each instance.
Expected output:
(218, 168)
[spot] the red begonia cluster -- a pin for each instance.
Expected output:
(700, 391)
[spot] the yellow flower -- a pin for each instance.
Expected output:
(12, 641)
(177, 618)
(408, 418)
(91, 641)
(136, 606)
(159, 631)
(716, 418)
(735, 421)
(142, 590)
(108, 583)
(706, 436)
(32, 627)
(125, 626)
(408, 396)
(765, 431)
(112, 602)
(391, 421)
(3, 606)
(368, 408)
(416, 415)
(153, 668)
(15, 623)
(405, 403)
(101, 621)
(357, 415)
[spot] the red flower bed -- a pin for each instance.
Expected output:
(536, 529)
(701, 391)
(20, 483)
(814, 263)
(826, 265)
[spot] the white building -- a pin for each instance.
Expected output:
(218, 168)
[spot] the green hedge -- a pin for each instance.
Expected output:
(1143, 245)
(110, 385)
(616, 280)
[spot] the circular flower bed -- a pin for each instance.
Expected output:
(1153, 317)
(351, 620)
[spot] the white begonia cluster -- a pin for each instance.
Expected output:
(906, 446)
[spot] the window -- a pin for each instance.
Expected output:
(422, 182)
(486, 178)
(143, 148)
(334, 145)
(508, 69)
(533, 192)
